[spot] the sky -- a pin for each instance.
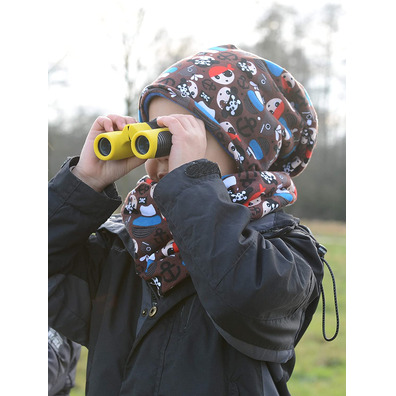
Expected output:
(86, 41)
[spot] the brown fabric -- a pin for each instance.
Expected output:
(157, 258)
(258, 112)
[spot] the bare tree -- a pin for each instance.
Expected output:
(330, 14)
(131, 63)
(57, 72)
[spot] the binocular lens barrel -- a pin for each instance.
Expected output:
(164, 143)
(104, 146)
(142, 145)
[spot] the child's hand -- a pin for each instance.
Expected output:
(96, 173)
(188, 138)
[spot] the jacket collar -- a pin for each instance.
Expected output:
(272, 224)
(115, 225)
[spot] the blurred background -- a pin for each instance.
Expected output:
(101, 55)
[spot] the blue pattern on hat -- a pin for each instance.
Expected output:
(275, 69)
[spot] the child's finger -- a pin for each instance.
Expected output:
(104, 124)
(130, 120)
(171, 122)
(119, 121)
(185, 121)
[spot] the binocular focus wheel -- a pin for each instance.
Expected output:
(164, 143)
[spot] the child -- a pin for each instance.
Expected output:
(203, 285)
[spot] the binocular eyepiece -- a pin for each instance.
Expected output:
(143, 140)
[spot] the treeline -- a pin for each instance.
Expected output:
(321, 187)
(286, 37)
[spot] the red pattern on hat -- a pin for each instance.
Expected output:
(216, 70)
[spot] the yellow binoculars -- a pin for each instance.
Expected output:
(143, 140)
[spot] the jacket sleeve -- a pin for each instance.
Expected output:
(254, 289)
(75, 252)
(63, 356)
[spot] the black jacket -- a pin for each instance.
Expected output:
(63, 356)
(229, 329)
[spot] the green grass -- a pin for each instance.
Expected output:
(321, 366)
(79, 389)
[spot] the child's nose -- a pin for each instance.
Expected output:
(162, 167)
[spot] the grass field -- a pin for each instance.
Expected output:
(321, 366)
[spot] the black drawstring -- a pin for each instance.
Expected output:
(322, 251)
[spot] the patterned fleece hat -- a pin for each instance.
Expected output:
(256, 110)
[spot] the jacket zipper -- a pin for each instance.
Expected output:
(154, 301)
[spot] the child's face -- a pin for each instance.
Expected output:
(157, 168)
